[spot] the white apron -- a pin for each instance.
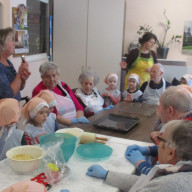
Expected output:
(152, 96)
(93, 102)
(65, 106)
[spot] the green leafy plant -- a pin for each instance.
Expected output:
(167, 25)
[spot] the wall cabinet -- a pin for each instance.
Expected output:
(88, 34)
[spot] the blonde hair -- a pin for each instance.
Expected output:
(4, 33)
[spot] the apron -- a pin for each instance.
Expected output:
(139, 67)
(152, 96)
(65, 106)
(93, 102)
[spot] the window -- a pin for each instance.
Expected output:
(38, 26)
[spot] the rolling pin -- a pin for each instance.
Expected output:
(92, 138)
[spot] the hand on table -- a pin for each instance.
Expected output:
(143, 150)
(135, 156)
(97, 171)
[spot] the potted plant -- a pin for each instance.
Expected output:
(162, 46)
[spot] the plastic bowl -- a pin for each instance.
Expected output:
(25, 166)
(77, 132)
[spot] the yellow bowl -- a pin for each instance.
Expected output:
(25, 166)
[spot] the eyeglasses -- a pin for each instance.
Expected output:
(161, 139)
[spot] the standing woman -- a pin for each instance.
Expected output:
(11, 82)
(141, 60)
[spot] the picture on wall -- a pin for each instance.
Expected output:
(19, 17)
(187, 38)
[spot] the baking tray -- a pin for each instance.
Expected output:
(116, 122)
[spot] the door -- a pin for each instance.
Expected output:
(105, 37)
(88, 34)
(70, 38)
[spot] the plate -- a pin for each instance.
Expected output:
(94, 151)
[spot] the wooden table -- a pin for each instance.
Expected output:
(140, 132)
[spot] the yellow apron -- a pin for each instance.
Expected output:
(139, 67)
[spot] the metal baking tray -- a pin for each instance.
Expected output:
(116, 122)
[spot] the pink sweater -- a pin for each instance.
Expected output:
(58, 91)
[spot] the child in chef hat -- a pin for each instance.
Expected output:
(10, 136)
(51, 121)
(35, 112)
(133, 93)
(111, 94)
(186, 79)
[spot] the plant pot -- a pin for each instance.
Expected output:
(162, 52)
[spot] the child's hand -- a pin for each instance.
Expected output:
(107, 94)
(128, 98)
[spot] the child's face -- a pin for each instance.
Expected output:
(183, 81)
(112, 82)
(132, 83)
(41, 116)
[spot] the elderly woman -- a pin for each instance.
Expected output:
(11, 82)
(68, 109)
(88, 93)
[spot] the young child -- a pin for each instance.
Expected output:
(186, 79)
(111, 94)
(35, 111)
(10, 136)
(51, 122)
(133, 93)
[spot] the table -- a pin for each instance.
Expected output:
(77, 181)
(141, 132)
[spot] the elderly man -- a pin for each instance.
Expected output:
(174, 172)
(153, 89)
(174, 103)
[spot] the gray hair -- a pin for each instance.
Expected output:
(46, 67)
(4, 33)
(88, 75)
(180, 138)
(179, 98)
(160, 67)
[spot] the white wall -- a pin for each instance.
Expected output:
(151, 12)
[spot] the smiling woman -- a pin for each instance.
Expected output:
(68, 109)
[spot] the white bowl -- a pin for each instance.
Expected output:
(25, 166)
(77, 132)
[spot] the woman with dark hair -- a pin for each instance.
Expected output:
(141, 60)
